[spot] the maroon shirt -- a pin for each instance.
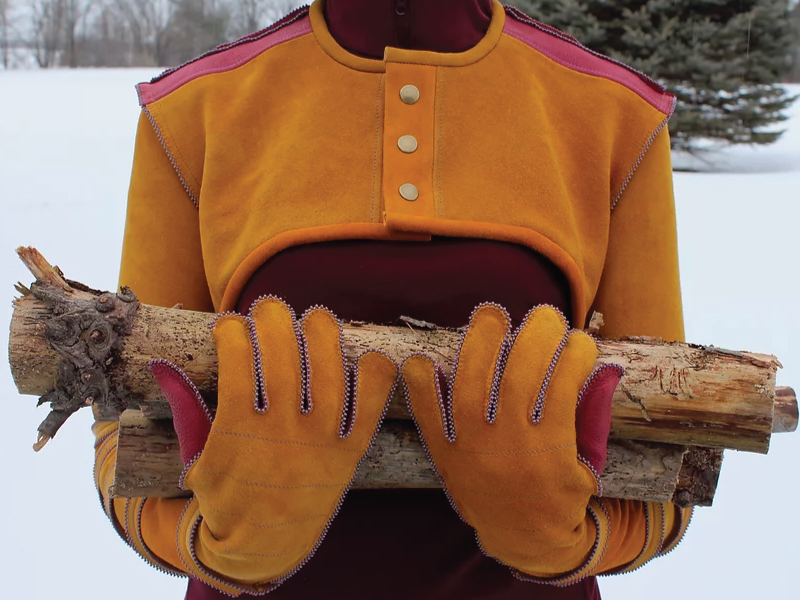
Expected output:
(401, 544)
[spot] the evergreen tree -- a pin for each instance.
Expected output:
(723, 60)
(794, 73)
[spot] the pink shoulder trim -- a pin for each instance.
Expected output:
(567, 51)
(226, 56)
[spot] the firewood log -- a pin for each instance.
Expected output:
(76, 346)
(149, 465)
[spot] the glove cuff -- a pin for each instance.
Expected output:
(596, 514)
(666, 526)
(190, 522)
(135, 538)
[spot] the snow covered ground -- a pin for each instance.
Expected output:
(66, 140)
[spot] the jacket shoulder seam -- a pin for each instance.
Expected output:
(570, 53)
(648, 143)
(160, 135)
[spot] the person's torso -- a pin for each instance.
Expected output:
(285, 138)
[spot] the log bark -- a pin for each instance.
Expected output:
(672, 392)
(149, 465)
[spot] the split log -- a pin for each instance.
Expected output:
(149, 465)
(674, 393)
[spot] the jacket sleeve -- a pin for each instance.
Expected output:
(162, 262)
(640, 295)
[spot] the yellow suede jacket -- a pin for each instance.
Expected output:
(285, 138)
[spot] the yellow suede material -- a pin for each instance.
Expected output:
(677, 527)
(157, 519)
(409, 119)
(136, 519)
(512, 146)
(518, 483)
(639, 294)
(629, 532)
(258, 524)
(105, 453)
(640, 291)
(162, 253)
(656, 528)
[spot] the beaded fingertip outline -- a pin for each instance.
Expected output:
(423, 441)
(261, 398)
(444, 399)
(303, 345)
(499, 366)
(538, 408)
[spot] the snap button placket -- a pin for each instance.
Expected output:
(409, 94)
(408, 144)
(409, 192)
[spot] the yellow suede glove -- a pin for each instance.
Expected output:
(504, 438)
(292, 425)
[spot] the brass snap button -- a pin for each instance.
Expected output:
(409, 94)
(409, 191)
(407, 143)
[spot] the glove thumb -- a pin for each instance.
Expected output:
(190, 415)
(593, 415)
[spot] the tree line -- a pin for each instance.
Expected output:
(724, 60)
(125, 33)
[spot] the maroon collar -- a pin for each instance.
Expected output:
(366, 27)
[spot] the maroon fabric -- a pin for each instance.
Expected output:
(404, 545)
(190, 416)
(593, 416)
(440, 281)
(366, 27)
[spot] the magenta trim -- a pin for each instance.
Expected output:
(224, 58)
(568, 52)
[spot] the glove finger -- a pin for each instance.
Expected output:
(327, 383)
(593, 415)
(374, 384)
(283, 361)
(190, 415)
(529, 367)
(478, 357)
(238, 394)
(561, 392)
(426, 401)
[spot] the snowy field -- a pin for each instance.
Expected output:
(66, 141)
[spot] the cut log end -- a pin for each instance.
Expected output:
(698, 478)
(786, 412)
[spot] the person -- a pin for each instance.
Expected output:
(385, 158)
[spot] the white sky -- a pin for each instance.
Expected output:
(66, 141)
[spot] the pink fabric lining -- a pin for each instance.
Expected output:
(577, 58)
(228, 58)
